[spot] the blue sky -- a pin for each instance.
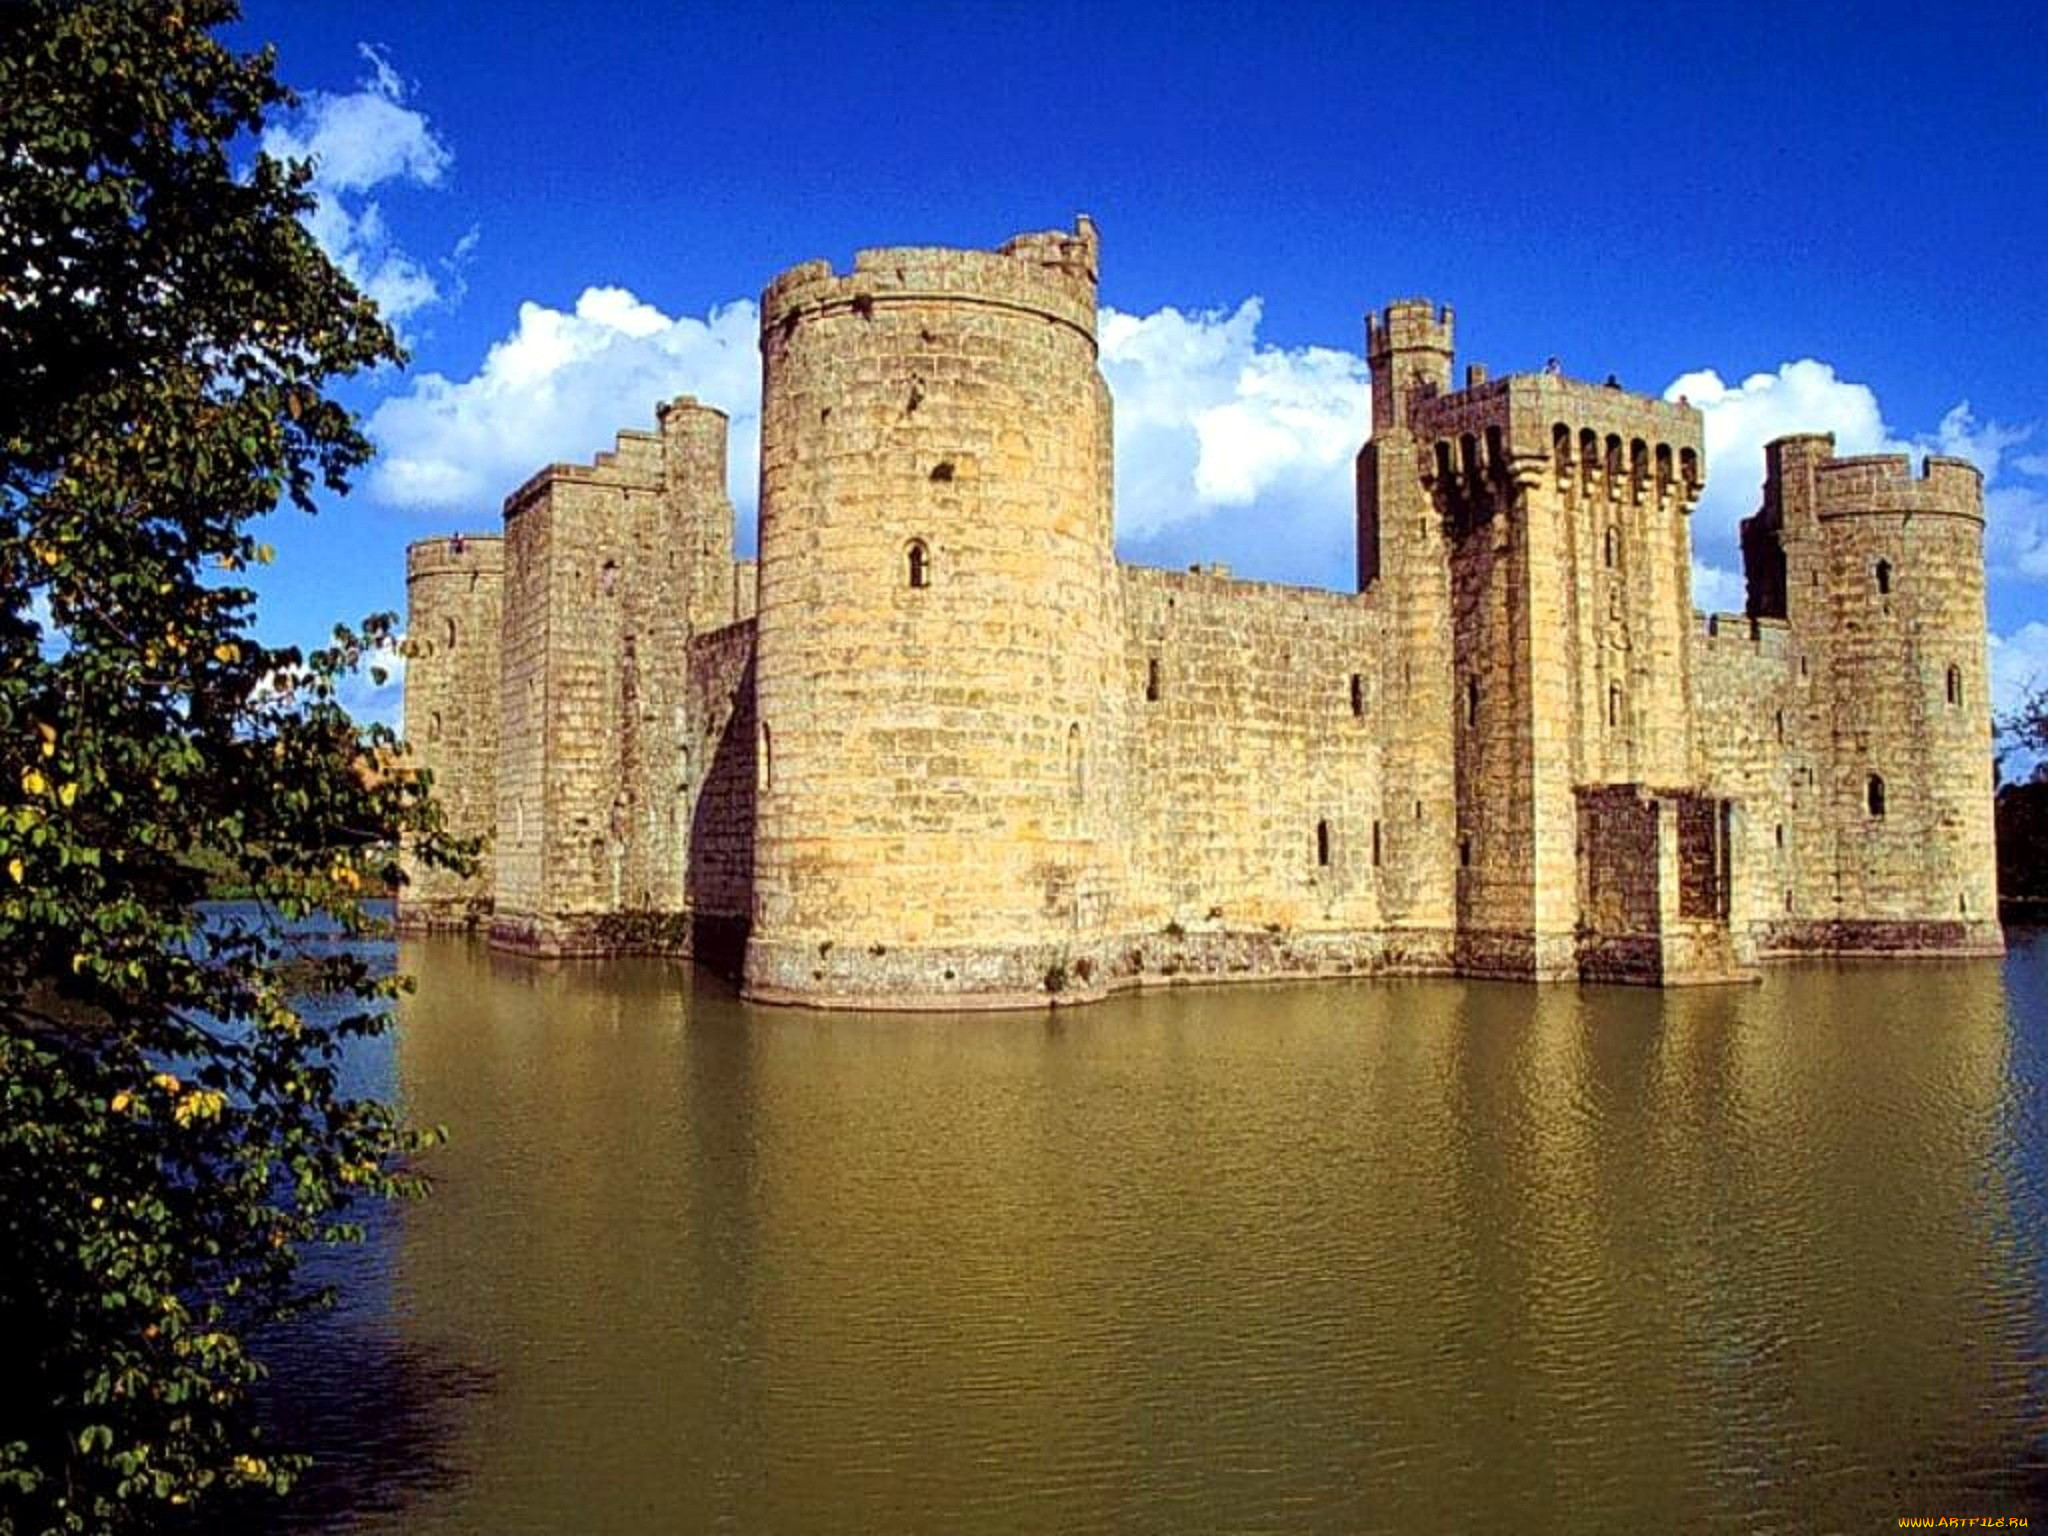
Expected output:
(1835, 212)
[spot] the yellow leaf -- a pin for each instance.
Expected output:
(120, 1102)
(49, 736)
(227, 653)
(66, 793)
(265, 553)
(14, 868)
(168, 1083)
(33, 783)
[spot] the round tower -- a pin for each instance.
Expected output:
(1907, 787)
(940, 637)
(454, 596)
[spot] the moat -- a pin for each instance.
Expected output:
(1394, 1256)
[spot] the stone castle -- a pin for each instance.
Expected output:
(938, 748)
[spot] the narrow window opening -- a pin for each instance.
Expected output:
(1471, 701)
(1152, 680)
(1963, 904)
(1607, 553)
(1358, 693)
(1955, 686)
(918, 563)
(1464, 853)
(448, 633)
(1375, 845)
(434, 726)
(1780, 722)
(1613, 704)
(1418, 810)
(1884, 576)
(608, 577)
(1873, 795)
(1323, 844)
(1780, 830)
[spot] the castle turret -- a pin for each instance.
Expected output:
(454, 593)
(938, 628)
(1884, 589)
(1402, 555)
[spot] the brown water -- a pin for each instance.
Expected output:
(1426, 1256)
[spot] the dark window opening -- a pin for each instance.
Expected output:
(1357, 693)
(1323, 844)
(1607, 554)
(1375, 845)
(918, 560)
(1614, 704)
(1152, 680)
(1464, 853)
(1471, 701)
(1955, 685)
(1781, 725)
(1884, 576)
(449, 632)
(1873, 795)
(1780, 831)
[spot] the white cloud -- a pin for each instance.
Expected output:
(1802, 396)
(1227, 447)
(1716, 589)
(556, 390)
(357, 142)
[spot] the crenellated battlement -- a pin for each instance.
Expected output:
(634, 461)
(1410, 325)
(1735, 632)
(1885, 484)
(1050, 273)
(456, 554)
(1589, 436)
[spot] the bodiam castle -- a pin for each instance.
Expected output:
(938, 748)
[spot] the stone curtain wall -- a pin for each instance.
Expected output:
(454, 590)
(1754, 749)
(1255, 756)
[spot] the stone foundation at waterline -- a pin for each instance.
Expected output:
(938, 748)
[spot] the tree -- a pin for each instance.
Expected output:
(172, 1129)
